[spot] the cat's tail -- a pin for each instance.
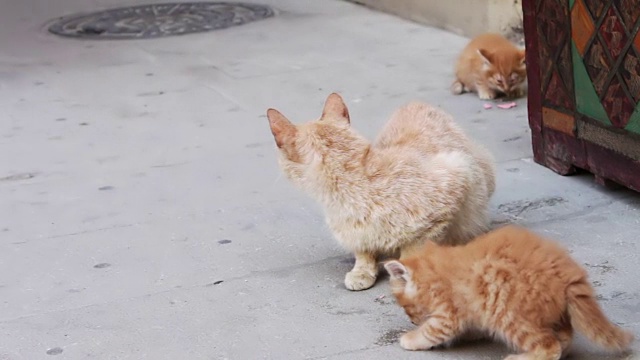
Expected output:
(587, 318)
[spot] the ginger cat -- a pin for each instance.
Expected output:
(490, 65)
(422, 179)
(511, 284)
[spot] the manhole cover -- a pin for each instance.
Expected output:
(159, 20)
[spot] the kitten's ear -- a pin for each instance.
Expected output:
(282, 129)
(523, 58)
(486, 56)
(396, 269)
(335, 107)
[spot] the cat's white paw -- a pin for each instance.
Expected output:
(406, 343)
(516, 357)
(413, 341)
(486, 94)
(357, 280)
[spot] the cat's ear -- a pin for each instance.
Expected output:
(396, 269)
(486, 56)
(523, 58)
(335, 108)
(282, 129)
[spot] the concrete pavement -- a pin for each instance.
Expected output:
(144, 216)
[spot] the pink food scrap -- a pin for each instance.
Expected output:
(507, 105)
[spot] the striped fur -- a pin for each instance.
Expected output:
(511, 284)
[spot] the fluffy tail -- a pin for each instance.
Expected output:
(588, 319)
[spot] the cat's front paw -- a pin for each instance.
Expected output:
(413, 341)
(407, 343)
(516, 93)
(517, 357)
(357, 280)
(486, 94)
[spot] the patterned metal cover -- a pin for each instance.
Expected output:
(159, 20)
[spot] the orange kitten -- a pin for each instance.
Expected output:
(509, 283)
(490, 65)
(422, 179)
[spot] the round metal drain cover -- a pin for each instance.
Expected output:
(159, 20)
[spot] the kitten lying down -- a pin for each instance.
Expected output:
(511, 284)
(423, 178)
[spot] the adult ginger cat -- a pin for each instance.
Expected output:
(511, 284)
(490, 65)
(422, 179)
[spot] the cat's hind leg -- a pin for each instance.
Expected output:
(457, 87)
(535, 344)
(364, 272)
(439, 329)
(564, 332)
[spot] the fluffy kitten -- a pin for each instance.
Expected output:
(490, 65)
(422, 179)
(509, 283)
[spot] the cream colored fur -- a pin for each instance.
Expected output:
(422, 179)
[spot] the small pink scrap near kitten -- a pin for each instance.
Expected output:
(490, 65)
(423, 178)
(510, 284)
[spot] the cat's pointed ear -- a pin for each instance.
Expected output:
(396, 269)
(486, 56)
(282, 129)
(335, 108)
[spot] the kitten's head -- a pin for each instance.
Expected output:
(307, 149)
(405, 290)
(504, 70)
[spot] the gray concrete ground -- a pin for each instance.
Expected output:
(143, 214)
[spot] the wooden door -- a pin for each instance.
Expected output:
(583, 64)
